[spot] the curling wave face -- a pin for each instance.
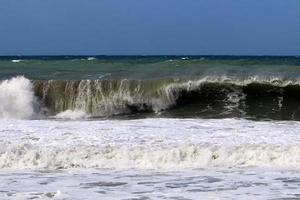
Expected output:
(207, 97)
(221, 96)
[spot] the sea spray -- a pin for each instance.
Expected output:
(17, 98)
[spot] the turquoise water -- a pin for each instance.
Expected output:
(146, 67)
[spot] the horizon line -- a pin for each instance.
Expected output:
(149, 55)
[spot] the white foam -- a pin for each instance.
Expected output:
(17, 99)
(189, 156)
(91, 58)
(16, 61)
(148, 144)
(72, 114)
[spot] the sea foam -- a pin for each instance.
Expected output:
(148, 144)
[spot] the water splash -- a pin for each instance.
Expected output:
(17, 99)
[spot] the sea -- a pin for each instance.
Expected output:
(149, 127)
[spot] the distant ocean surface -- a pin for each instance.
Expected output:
(149, 127)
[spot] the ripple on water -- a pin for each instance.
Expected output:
(102, 184)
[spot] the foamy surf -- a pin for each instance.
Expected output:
(177, 158)
(182, 158)
(148, 144)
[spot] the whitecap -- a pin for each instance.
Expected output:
(16, 61)
(104, 75)
(91, 58)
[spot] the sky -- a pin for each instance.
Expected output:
(149, 27)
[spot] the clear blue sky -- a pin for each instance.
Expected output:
(232, 27)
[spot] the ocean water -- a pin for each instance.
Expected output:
(168, 127)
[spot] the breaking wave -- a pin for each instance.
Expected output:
(212, 97)
(206, 97)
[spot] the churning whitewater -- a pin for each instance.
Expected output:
(175, 144)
